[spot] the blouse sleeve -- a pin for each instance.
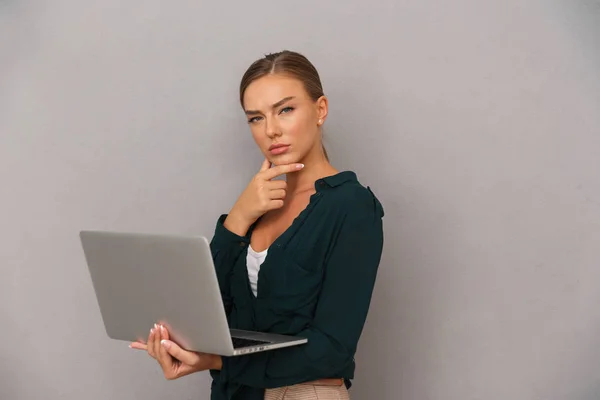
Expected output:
(226, 247)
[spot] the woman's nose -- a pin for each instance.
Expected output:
(272, 128)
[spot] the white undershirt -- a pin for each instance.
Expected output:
(253, 261)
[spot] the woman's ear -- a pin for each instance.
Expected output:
(322, 109)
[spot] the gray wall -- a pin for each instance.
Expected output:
(476, 123)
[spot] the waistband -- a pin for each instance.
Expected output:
(326, 382)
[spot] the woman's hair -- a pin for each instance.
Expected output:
(288, 63)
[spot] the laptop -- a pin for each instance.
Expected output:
(142, 279)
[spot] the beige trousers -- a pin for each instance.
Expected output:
(305, 391)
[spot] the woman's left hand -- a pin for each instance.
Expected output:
(174, 361)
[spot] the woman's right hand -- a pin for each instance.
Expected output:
(262, 194)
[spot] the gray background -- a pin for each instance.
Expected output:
(477, 123)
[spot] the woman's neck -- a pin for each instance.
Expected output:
(315, 168)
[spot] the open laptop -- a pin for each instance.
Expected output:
(143, 279)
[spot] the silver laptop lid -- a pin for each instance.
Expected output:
(142, 279)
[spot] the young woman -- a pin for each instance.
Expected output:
(296, 257)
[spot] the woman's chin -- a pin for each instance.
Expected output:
(284, 159)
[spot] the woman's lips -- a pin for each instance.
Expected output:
(279, 149)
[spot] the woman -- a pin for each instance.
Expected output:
(296, 257)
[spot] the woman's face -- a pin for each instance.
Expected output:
(283, 119)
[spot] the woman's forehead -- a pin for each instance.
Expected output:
(268, 90)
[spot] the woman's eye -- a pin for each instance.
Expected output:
(253, 119)
(286, 109)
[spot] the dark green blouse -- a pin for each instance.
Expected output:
(316, 282)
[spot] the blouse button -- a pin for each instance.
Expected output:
(242, 244)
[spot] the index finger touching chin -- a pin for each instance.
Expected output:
(282, 169)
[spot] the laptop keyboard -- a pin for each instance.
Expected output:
(240, 342)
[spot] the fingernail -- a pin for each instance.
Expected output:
(164, 343)
(300, 166)
(155, 326)
(162, 328)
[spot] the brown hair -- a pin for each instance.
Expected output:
(289, 63)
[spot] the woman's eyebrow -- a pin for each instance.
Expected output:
(279, 103)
